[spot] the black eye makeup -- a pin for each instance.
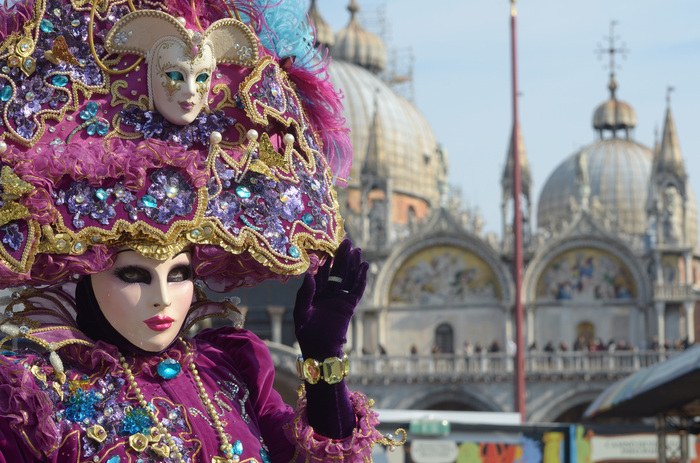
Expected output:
(180, 273)
(133, 274)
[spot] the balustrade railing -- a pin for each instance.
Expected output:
(494, 366)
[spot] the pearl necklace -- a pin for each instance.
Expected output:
(172, 450)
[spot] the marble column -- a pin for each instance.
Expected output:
(660, 308)
(530, 315)
(689, 307)
(276, 314)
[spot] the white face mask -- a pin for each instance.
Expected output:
(179, 84)
(146, 300)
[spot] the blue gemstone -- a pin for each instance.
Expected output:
(115, 459)
(6, 93)
(91, 129)
(102, 128)
(169, 368)
(84, 115)
(92, 108)
(308, 218)
(101, 194)
(294, 251)
(46, 26)
(237, 447)
(242, 192)
(149, 201)
(264, 456)
(59, 80)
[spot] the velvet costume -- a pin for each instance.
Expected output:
(91, 163)
(36, 425)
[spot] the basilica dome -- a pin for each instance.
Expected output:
(324, 33)
(616, 184)
(354, 44)
(618, 171)
(614, 114)
(387, 131)
(397, 160)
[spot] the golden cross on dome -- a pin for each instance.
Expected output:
(612, 50)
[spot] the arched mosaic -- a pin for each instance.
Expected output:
(586, 274)
(442, 275)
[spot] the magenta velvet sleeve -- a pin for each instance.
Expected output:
(288, 434)
(245, 353)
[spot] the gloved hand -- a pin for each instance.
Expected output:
(326, 301)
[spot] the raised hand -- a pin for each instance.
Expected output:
(326, 301)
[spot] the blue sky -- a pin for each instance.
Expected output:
(461, 52)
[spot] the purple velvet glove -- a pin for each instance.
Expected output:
(326, 301)
(324, 306)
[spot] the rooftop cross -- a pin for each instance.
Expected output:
(669, 89)
(612, 50)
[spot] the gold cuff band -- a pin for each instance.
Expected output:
(332, 370)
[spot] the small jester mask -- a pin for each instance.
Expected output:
(180, 61)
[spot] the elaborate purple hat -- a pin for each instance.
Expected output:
(164, 124)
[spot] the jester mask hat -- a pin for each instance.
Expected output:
(159, 125)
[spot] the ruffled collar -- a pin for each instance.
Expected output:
(103, 357)
(47, 317)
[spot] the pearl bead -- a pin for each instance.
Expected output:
(168, 440)
(3, 146)
(288, 139)
(182, 21)
(215, 137)
(252, 135)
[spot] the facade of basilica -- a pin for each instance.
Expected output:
(614, 255)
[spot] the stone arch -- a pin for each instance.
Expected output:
(465, 243)
(550, 409)
(604, 245)
(587, 275)
(428, 398)
(441, 277)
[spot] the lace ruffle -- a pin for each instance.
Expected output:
(314, 447)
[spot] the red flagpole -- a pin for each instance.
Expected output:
(518, 238)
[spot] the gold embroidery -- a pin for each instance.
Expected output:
(59, 52)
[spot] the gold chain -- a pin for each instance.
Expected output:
(225, 447)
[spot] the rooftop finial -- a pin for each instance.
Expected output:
(669, 89)
(612, 50)
(353, 8)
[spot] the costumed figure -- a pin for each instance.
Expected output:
(148, 147)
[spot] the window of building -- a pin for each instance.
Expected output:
(444, 338)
